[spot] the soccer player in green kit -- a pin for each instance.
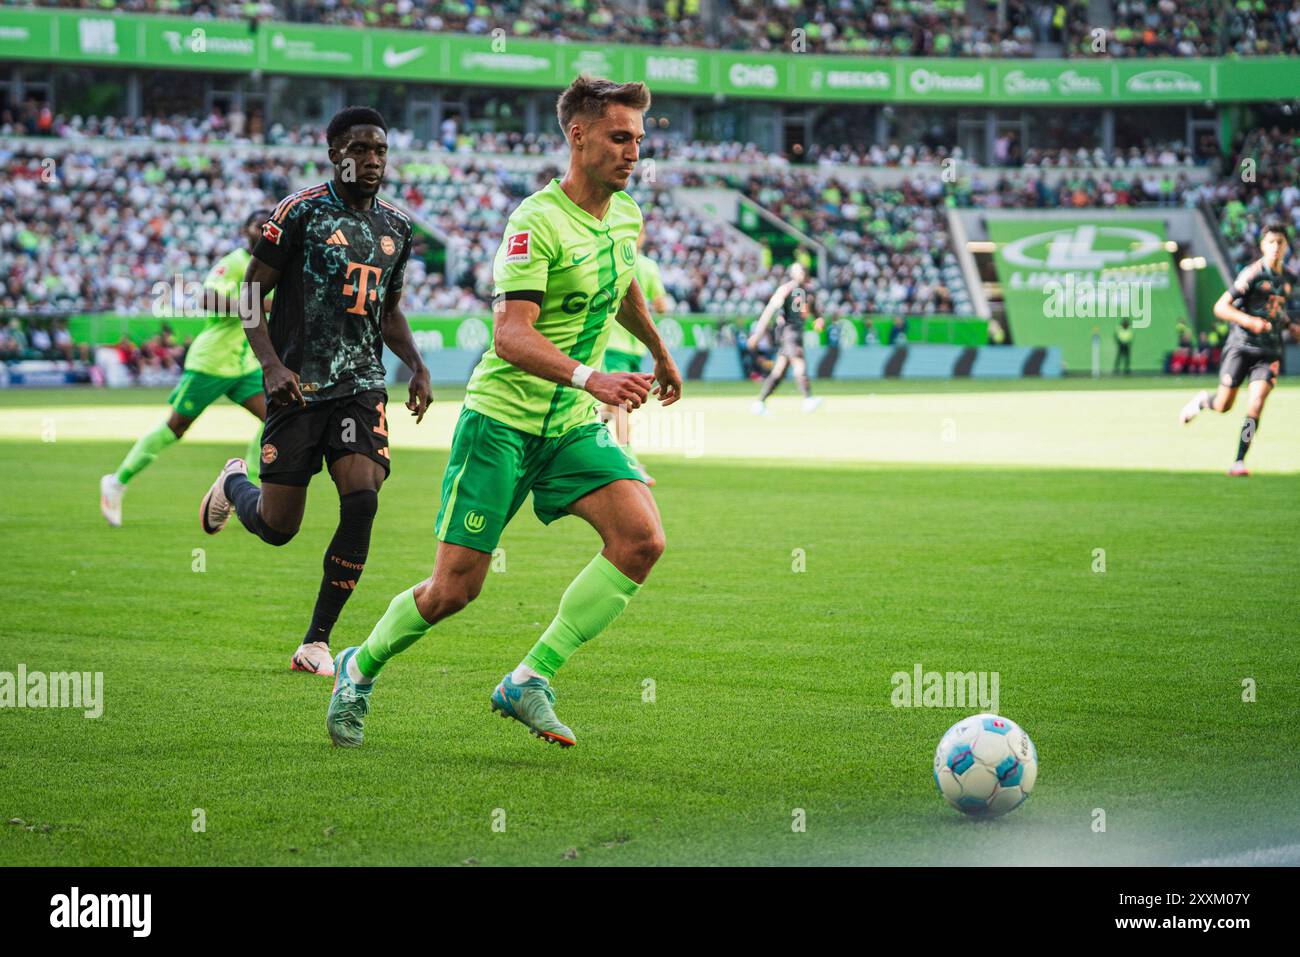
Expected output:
(564, 268)
(624, 352)
(1256, 305)
(219, 362)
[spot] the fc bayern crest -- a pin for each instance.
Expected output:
(387, 245)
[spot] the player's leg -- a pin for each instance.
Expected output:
(193, 393)
(590, 479)
(457, 579)
(481, 490)
(1261, 384)
(358, 479)
(293, 445)
(770, 383)
(799, 365)
(1232, 373)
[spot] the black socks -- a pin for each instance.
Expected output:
(345, 558)
(244, 495)
(1248, 429)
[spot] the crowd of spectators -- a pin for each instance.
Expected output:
(888, 247)
(97, 231)
(34, 119)
(39, 339)
(1260, 188)
(857, 27)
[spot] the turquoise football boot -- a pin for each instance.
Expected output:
(530, 704)
(349, 704)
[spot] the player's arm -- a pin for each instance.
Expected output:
(516, 340)
(1225, 309)
(281, 383)
(396, 332)
(634, 316)
(819, 322)
(773, 304)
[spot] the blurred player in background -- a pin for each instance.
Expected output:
(624, 352)
(218, 363)
(336, 255)
(564, 267)
(1256, 305)
(792, 300)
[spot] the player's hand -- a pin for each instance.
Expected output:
(1258, 325)
(420, 394)
(627, 390)
(820, 324)
(668, 380)
(283, 387)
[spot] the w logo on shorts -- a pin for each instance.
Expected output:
(475, 521)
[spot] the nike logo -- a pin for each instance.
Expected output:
(393, 59)
(578, 259)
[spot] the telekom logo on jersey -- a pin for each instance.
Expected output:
(362, 289)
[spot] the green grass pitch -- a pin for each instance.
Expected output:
(771, 686)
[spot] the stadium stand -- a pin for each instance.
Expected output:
(945, 28)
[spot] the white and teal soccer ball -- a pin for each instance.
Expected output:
(985, 765)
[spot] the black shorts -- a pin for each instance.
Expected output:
(296, 438)
(1239, 364)
(791, 343)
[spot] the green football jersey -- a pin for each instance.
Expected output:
(221, 348)
(652, 287)
(582, 266)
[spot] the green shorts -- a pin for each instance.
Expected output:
(198, 390)
(618, 361)
(493, 467)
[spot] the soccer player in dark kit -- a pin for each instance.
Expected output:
(335, 254)
(790, 304)
(1256, 305)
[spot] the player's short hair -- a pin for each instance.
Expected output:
(351, 116)
(1273, 228)
(258, 216)
(588, 96)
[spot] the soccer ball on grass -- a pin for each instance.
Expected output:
(985, 765)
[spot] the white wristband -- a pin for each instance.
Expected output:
(581, 375)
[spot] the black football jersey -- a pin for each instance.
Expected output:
(337, 267)
(1267, 295)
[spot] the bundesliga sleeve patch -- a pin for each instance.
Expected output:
(517, 248)
(271, 232)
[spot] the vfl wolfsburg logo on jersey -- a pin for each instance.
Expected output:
(475, 521)
(627, 250)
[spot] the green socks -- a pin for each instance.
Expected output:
(591, 602)
(144, 451)
(401, 627)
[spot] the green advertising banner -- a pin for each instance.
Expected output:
(1052, 81)
(152, 42)
(1067, 278)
